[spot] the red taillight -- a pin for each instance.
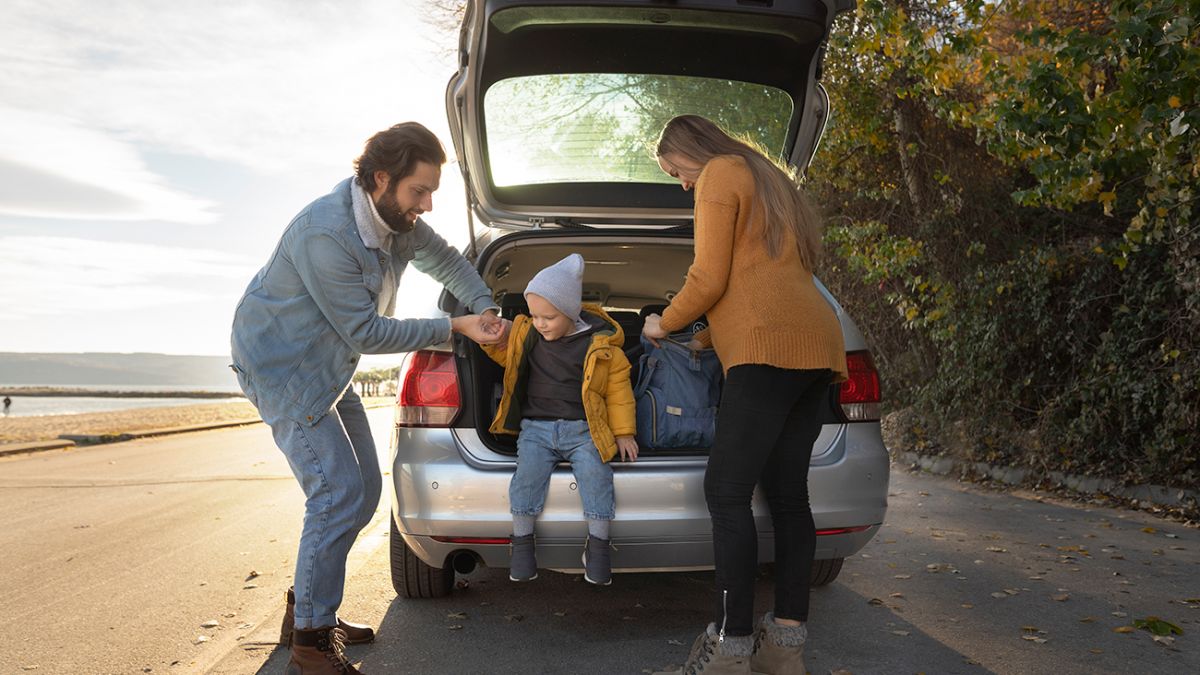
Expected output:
(859, 395)
(428, 390)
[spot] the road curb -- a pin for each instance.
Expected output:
(71, 441)
(1086, 485)
(94, 439)
(35, 446)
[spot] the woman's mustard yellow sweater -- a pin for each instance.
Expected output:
(760, 309)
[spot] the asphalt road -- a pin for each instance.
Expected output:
(113, 557)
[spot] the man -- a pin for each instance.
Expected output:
(324, 298)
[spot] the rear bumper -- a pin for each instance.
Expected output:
(662, 520)
(629, 555)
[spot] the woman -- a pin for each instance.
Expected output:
(756, 241)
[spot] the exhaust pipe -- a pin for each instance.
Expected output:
(463, 562)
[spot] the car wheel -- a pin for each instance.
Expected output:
(825, 571)
(411, 577)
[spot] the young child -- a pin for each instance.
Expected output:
(567, 395)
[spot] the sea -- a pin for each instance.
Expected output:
(32, 406)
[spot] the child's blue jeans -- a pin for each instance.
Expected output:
(540, 447)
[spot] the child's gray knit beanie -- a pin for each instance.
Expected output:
(561, 284)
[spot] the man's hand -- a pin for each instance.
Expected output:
(478, 328)
(652, 329)
(493, 323)
(628, 447)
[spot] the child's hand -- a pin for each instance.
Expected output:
(628, 447)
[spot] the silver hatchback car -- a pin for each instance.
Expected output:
(551, 112)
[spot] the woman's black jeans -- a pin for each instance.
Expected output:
(766, 426)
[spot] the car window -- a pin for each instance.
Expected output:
(596, 127)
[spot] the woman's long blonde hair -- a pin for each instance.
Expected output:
(777, 195)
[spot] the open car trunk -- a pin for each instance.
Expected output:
(628, 273)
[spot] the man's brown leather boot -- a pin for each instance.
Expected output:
(356, 634)
(319, 651)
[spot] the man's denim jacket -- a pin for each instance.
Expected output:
(311, 310)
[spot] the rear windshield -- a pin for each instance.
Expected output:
(587, 128)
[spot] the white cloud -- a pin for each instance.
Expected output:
(56, 276)
(277, 86)
(53, 166)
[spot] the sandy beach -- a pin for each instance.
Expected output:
(49, 427)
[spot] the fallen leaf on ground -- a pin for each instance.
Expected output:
(902, 576)
(1034, 638)
(211, 623)
(875, 602)
(513, 617)
(967, 605)
(1061, 597)
(457, 626)
(999, 595)
(456, 615)
(1124, 629)
(1096, 651)
(899, 632)
(1165, 640)
(895, 595)
(677, 643)
(1157, 626)
(248, 587)
(201, 639)
(997, 549)
(1149, 530)
(560, 614)
(1088, 619)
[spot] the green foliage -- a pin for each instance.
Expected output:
(1010, 190)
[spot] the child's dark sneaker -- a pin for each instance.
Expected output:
(597, 561)
(523, 565)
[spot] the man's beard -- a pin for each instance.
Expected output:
(393, 217)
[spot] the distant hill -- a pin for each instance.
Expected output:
(97, 368)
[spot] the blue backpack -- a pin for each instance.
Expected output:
(677, 395)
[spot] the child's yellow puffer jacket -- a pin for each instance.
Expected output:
(607, 392)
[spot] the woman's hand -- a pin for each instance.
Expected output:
(652, 329)
(628, 447)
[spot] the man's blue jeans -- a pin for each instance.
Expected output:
(337, 466)
(540, 447)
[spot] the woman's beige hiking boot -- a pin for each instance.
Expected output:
(713, 655)
(778, 650)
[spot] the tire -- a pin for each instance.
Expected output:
(825, 571)
(411, 577)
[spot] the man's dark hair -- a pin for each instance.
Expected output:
(397, 151)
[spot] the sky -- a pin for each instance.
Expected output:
(151, 154)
